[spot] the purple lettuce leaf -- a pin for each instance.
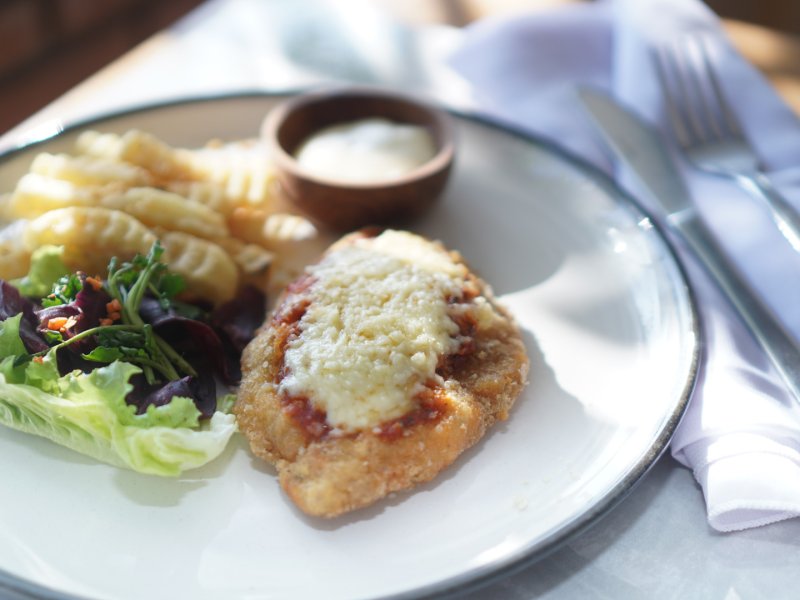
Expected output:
(87, 309)
(239, 318)
(195, 340)
(201, 390)
(11, 304)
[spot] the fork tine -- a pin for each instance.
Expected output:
(699, 72)
(691, 94)
(681, 83)
(665, 70)
(695, 101)
(727, 117)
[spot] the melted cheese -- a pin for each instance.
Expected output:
(375, 329)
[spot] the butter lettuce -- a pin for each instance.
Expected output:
(46, 268)
(10, 341)
(88, 413)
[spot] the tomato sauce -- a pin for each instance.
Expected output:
(431, 402)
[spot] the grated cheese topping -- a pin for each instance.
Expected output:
(375, 329)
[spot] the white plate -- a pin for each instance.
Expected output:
(610, 328)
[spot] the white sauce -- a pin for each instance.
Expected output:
(366, 151)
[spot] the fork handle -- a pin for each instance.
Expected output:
(784, 214)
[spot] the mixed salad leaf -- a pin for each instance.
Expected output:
(120, 368)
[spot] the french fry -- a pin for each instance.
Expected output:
(242, 169)
(206, 193)
(36, 194)
(91, 236)
(208, 270)
(251, 259)
(15, 258)
(283, 227)
(138, 148)
(159, 208)
(89, 170)
(215, 209)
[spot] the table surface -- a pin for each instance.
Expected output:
(656, 543)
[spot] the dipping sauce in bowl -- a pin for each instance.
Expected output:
(352, 157)
(368, 150)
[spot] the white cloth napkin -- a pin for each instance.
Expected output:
(741, 433)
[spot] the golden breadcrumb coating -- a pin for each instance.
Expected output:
(332, 474)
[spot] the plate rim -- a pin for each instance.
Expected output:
(487, 574)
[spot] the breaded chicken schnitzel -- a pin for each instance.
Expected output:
(377, 368)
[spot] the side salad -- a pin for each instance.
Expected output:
(120, 368)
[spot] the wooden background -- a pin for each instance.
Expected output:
(49, 46)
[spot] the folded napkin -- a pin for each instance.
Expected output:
(741, 433)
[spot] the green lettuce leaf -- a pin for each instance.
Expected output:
(46, 268)
(11, 350)
(88, 413)
(10, 342)
(109, 385)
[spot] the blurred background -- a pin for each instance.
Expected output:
(49, 46)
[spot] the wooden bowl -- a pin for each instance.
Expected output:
(342, 205)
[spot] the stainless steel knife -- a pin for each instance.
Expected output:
(641, 147)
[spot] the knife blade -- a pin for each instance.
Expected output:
(641, 148)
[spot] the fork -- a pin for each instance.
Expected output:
(708, 131)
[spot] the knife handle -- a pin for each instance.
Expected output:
(783, 213)
(781, 348)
